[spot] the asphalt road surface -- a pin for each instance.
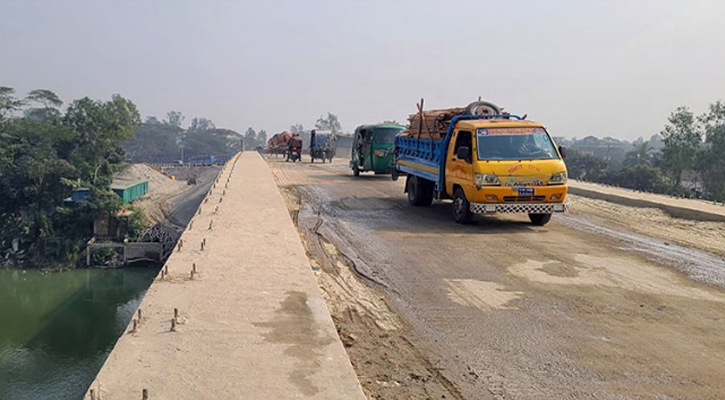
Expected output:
(581, 308)
(184, 206)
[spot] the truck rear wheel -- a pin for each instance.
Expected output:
(420, 191)
(461, 207)
(355, 170)
(540, 219)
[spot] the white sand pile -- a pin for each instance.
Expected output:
(161, 189)
(142, 172)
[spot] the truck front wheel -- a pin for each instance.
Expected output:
(540, 219)
(461, 207)
(420, 191)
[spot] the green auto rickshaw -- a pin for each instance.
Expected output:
(372, 148)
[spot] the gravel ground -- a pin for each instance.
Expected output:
(608, 302)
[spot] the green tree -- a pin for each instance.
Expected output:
(211, 142)
(50, 103)
(711, 160)
(154, 142)
(297, 128)
(101, 128)
(175, 118)
(639, 177)
(584, 166)
(8, 104)
(45, 97)
(641, 155)
(41, 161)
(682, 142)
(331, 123)
(656, 142)
(201, 124)
(250, 138)
(151, 120)
(261, 137)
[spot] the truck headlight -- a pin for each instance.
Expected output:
(486, 180)
(558, 178)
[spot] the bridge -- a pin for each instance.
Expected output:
(461, 311)
(235, 312)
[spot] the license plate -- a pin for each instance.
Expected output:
(526, 192)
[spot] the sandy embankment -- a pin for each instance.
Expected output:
(161, 189)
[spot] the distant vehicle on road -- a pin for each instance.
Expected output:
(485, 160)
(372, 148)
(278, 143)
(295, 154)
(323, 145)
(294, 146)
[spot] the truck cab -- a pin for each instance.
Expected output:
(496, 164)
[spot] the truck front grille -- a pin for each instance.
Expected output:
(531, 208)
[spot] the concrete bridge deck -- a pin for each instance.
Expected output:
(251, 324)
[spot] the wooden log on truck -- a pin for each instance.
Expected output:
(434, 122)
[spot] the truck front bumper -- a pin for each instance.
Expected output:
(518, 208)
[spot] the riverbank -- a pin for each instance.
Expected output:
(59, 323)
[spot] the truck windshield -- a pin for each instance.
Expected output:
(386, 135)
(524, 143)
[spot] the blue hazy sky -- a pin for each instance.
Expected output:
(614, 68)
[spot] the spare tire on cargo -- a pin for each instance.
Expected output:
(483, 108)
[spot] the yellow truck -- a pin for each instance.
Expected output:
(487, 163)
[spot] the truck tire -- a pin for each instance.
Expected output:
(420, 191)
(461, 207)
(312, 160)
(482, 108)
(355, 170)
(540, 219)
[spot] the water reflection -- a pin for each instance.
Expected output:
(56, 329)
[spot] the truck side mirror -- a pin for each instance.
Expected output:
(463, 153)
(562, 151)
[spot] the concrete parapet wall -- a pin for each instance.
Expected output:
(236, 312)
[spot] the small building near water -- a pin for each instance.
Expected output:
(80, 194)
(131, 192)
(112, 227)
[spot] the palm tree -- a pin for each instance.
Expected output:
(641, 155)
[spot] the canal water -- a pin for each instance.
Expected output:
(56, 329)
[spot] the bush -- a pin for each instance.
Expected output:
(641, 177)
